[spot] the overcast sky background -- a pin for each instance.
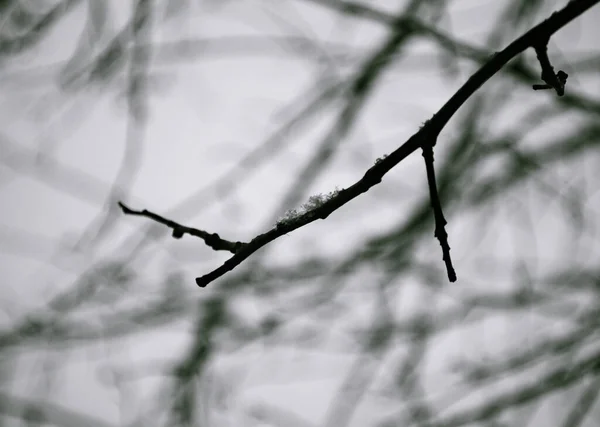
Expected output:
(207, 108)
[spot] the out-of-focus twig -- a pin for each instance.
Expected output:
(557, 379)
(552, 79)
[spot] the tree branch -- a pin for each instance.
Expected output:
(440, 222)
(374, 175)
(211, 239)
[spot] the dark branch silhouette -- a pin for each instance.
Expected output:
(211, 239)
(535, 38)
(440, 222)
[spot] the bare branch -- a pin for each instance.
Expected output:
(374, 175)
(440, 222)
(553, 80)
(211, 239)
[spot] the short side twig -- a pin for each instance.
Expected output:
(552, 80)
(562, 78)
(211, 239)
(440, 222)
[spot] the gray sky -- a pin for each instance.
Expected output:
(207, 109)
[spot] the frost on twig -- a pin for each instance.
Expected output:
(553, 81)
(380, 159)
(314, 202)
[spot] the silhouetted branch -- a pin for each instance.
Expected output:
(29, 37)
(211, 239)
(431, 129)
(440, 222)
(582, 407)
(45, 413)
(370, 14)
(553, 80)
(562, 78)
(359, 90)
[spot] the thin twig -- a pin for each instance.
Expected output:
(440, 222)
(211, 239)
(552, 79)
(374, 175)
(431, 129)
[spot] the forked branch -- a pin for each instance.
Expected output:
(536, 38)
